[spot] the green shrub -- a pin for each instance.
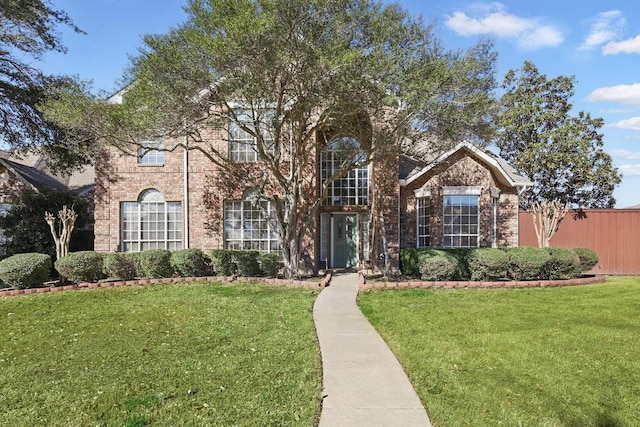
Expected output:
(247, 263)
(563, 264)
(119, 266)
(527, 263)
(222, 262)
(409, 261)
(134, 257)
(588, 259)
(155, 263)
(461, 255)
(269, 264)
(437, 265)
(488, 264)
(188, 262)
(28, 270)
(83, 266)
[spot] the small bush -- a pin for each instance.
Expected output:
(437, 265)
(588, 259)
(134, 257)
(222, 262)
(247, 263)
(563, 264)
(269, 264)
(409, 261)
(188, 262)
(83, 266)
(119, 266)
(155, 263)
(488, 264)
(28, 270)
(527, 263)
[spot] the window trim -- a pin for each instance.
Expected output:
(360, 193)
(247, 142)
(425, 196)
(151, 152)
(460, 192)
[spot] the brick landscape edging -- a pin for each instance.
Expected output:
(139, 282)
(363, 285)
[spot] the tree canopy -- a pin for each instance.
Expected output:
(561, 153)
(285, 72)
(27, 31)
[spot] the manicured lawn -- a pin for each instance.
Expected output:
(518, 357)
(175, 355)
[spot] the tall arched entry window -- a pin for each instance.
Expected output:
(351, 188)
(151, 223)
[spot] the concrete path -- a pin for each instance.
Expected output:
(364, 384)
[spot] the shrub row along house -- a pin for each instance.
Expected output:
(166, 196)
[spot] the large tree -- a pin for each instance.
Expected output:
(28, 29)
(293, 75)
(559, 152)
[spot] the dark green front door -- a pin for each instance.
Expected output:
(345, 232)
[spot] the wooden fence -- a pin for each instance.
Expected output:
(614, 234)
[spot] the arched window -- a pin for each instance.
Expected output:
(151, 223)
(250, 224)
(352, 188)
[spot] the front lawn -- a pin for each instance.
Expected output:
(518, 357)
(163, 355)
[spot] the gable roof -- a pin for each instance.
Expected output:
(31, 169)
(506, 174)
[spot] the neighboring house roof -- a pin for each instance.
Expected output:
(33, 171)
(410, 169)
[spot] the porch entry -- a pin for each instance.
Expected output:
(344, 239)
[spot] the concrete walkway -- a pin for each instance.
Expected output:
(364, 384)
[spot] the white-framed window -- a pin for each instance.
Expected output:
(250, 224)
(351, 189)
(423, 213)
(243, 133)
(150, 152)
(461, 217)
(151, 223)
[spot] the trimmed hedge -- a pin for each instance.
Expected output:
(269, 264)
(437, 265)
(23, 271)
(247, 263)
(588, 259)
(119, 266)
(563, 263)
(527, 263)
(488, 264)
(155, 264)
(83, 266)
(188, 262)
(222, 262)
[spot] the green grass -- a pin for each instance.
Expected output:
(176, 355)
(518, 357)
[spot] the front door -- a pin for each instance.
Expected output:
(345, 234)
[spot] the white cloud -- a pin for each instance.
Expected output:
(617, 110)
(633, 123)
(629, 170)
(624, 46)
(607, 26)
(625, 154)
(527, 33)
(624, 94)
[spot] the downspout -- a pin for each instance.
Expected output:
(398, 230)
(186, 186)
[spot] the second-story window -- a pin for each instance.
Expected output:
(250, 129)
(150, 152)
(351, 188)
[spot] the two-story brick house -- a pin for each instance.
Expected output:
(466, 197)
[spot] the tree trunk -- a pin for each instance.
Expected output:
(547, 217)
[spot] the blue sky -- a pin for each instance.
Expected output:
(597, 41)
